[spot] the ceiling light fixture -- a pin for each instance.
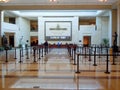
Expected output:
(3, 1)
(103, 0)
(53, 0)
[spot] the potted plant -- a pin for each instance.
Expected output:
(106, 42)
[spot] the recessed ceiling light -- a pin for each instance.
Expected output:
(3, 1)
(103, 0)
(53, 0)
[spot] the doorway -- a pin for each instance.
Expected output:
(11, 41)
(86, 40)
(34, 40)
(10, 38)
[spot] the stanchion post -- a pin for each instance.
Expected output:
(27, 53)
(95, 57)
(70, 50)
(15, 54)
(42, 51)
(99, 52)
(22, 52)
(39, 53)
(6, 49)
(20, 57)
(72, 53)
(78, 63)
(45, 48)
(74, 56)
(114, 58)
(85, 52)
(107, 63)
(30, 50)
(89, 54)
(37, 50)
(34, 53)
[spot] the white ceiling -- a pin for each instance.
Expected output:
(33, 14)
(59, 2)
(27, 13)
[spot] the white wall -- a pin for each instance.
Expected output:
(87, 30)
(41, 28)
(118, 23)
(102, 24)
(97, 32)
(11, 28)
(22, 28)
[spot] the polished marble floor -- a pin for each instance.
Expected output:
(56, 71)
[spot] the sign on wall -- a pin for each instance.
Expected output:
(58, 30)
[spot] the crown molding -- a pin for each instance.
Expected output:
(56, 7)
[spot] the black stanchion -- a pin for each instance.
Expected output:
(42, 51)
(89, 54)
(6, 49)
(72, 53)
(34, 53)
(101, 48)
(39, 53)
(82, 49)
(31, 50)
(45, 49)
(78, 63)
(15, 54)
(26, 50)
(95, 58)
(114, 55)
(99, 52)
(74, 56)
(37, 50)
(22, 52)
(69, 50)
(27, 53)
(107, 63)
(20, 56)
(85, 52)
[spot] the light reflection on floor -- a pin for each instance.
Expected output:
(56, 71)
(57, 84)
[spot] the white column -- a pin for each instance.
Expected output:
(0, 28)
(118, 23)
(110, 28)
(41, 30)
(75, 32)
(2, 20)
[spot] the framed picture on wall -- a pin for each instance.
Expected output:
(58, 30)
(33, 25)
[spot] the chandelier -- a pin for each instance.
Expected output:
(3, 1)
(103, 0)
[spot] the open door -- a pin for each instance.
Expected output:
(87, 40)
(34, 40)
(10, 37)
(11, 41)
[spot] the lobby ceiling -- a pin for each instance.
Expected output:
(69, 6)
(58, 2)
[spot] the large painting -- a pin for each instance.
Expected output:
(58, 30)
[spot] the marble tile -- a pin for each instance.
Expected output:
(56, 71)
